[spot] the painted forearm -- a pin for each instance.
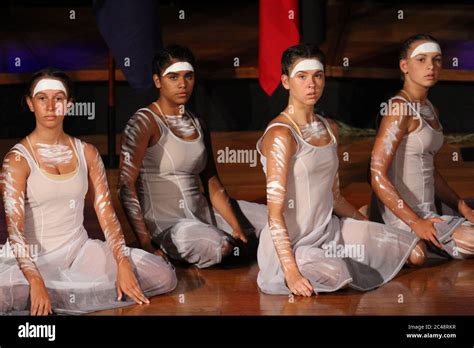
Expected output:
(135, 140)
(105, 211)
(280, 150)
(13, 194)
(281, 240)
(131, 205)
(393, 128)
(390, 197)
(221, 201)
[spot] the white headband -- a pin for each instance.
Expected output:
(425, 48)
(307, 64)
(179, 66)
(45, 84)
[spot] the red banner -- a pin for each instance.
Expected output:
(278, 30)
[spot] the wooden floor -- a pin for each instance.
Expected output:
(442, 288)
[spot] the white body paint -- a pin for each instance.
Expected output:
(54, 154)
(411, 182)
(80, 273)
(313, 131)
(174, 210)
(181, 125)
(310, 224)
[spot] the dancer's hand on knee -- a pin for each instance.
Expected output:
(424, 228)
(128, 284)
(298, 284)
(466, 211)
(40, 302)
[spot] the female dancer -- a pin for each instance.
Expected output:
(403, 172)
(48, 263)
(165, 149)
(305, 248)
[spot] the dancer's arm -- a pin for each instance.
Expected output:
(217, 193)
(135, 140)
(126, 280)
(14, 174)
(279, 146)
(393, 128)
(342, 207)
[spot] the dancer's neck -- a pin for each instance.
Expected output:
(47, 135)
(300, 113)
(416, 92)
(169, 108)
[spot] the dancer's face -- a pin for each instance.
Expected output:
(176, 87)
(422, 69)
(306, 86)
(49, 107)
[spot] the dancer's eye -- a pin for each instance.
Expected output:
(172, 77)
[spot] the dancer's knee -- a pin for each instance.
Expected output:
(464, 239)
(418, 254)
